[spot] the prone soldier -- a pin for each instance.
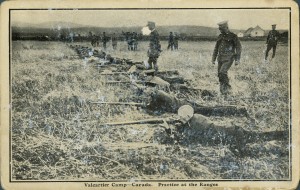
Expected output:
(228, 49)
(272, 40)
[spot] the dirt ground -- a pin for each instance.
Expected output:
(57, 134)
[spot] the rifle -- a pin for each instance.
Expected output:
(114, 73)
(120, 82)
(120, 103)
(171, 72)
(143, 121)
(204, 110)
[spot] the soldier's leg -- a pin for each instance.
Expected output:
(169, 45)
(150, 61)
(220, 77)
(267, 51)
(155, 64)
(274, 51)
(223, 75)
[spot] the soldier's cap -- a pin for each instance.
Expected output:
(186, 112)
(150, 23)
(273, 24)
(223, 23)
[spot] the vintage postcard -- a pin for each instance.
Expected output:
(149, 94)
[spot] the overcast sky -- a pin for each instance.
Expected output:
(238, 18)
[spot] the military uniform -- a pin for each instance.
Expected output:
(227, 50)
(176, 42)
(272, 40)
(114, 41)
(154, 49)
(104, 40)
(134, 41)
(171, 41)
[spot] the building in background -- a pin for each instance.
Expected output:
(254, 32)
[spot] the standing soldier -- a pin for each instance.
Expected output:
(93, 40)
(129, 40)
(154, 46)
(90, 37)
(171, 41)
(176, 41)
(228, 49)
(97, 40)
(104, 40)
(134, 41)
(114, 41)
(272, 40)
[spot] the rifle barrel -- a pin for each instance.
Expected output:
(114, 73)
(119, 103)
(119, 82)
(144, 121)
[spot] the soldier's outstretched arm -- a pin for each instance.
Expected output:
(268, 38)
(215, 53)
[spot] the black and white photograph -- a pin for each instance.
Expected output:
(151, 97)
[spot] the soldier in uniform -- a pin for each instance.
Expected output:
(272, 41)
(104, 40)
(114, 41)
(171, 41)
(134, 41)
(176, 41)
(154, 46)
(227, 50)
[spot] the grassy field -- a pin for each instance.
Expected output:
(57, 135)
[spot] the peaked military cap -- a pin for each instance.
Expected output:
(223, 23)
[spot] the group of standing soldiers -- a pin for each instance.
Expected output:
(132, 40)
(227, 50)
(95, 40)
(173, 41)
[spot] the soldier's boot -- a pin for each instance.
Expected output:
(267, 54)
(225, 87)
(273, 55)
